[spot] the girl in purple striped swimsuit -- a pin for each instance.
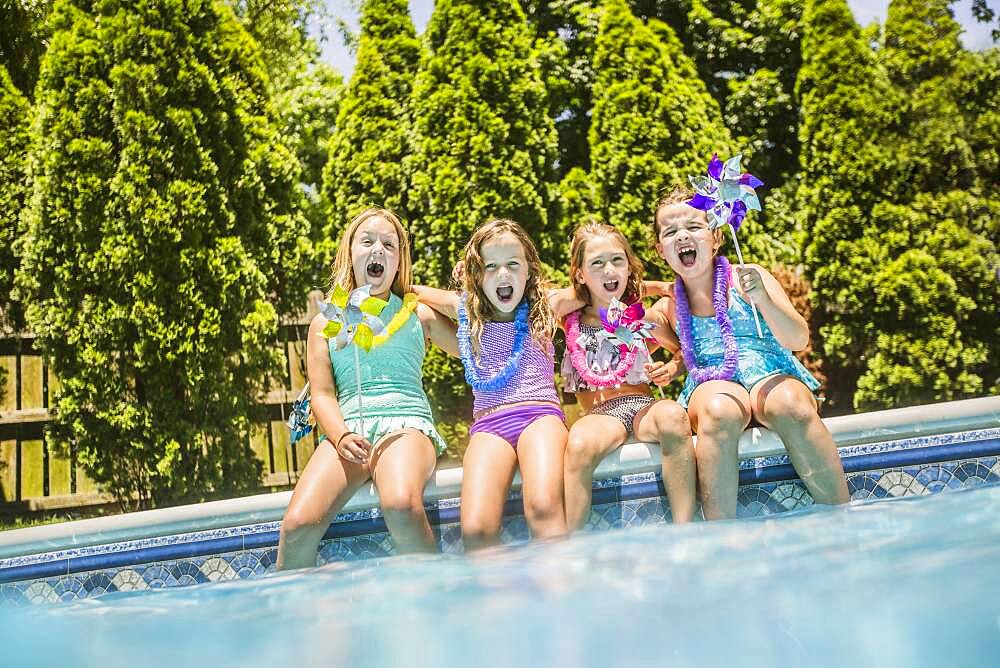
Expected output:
(506, 323)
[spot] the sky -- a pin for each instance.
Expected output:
(976, 35)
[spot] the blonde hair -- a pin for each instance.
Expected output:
(540, 317)
(342, 273)
(593, 230)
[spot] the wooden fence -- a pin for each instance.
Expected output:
(35, 477)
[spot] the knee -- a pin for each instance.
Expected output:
(476, 532)
(789, 406)
(399, 501)
(298, 524)
(720, 414)
(670, 421)
(544, 506)
(579, 451)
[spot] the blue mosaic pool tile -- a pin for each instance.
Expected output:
(69, 587)
(12, 593)
(514, 529)
(450, 540)
(187, 573)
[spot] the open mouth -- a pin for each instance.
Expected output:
(687, 256)
(375, 269)
(505, 293)
(611, 286)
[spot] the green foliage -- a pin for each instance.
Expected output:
(306, 96)
(484, 147)
(307, 107)
(14, 124)
(159, 243)
(367, 151)
(904, 283)
(24, 37)
(280, 28)
(931, 319)
(654, 123)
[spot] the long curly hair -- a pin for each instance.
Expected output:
(540, 317)
(592, 230)
(342, 273)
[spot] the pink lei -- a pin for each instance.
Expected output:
(578, 356)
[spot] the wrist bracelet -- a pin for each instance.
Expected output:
(342, 437)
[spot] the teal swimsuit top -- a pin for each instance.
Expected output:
(759, 357)
(391, 375)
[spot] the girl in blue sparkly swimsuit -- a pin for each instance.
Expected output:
(734, 374)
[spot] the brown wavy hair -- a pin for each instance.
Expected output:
(540, 317)
(592, 230)
(342, 273)
(679, 194)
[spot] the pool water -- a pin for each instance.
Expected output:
(907, 582)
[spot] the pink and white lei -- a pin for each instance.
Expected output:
(622, 326)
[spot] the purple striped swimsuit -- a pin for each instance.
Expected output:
(533, 380)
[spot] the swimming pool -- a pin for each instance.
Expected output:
(906, 582)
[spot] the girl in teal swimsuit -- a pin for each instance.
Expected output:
(734, 374)
(398, 446)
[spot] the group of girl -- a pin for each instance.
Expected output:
(501, 323)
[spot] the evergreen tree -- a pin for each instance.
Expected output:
(24, 37)
(846, 104)
(367, 150)
(307, 106)
(654, 123)
(484, 144)
(904, 284)
(484, 148)
(159, 243)
(14, 123)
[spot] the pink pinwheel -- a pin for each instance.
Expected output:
(624, 326)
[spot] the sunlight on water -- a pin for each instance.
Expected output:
(899, 583)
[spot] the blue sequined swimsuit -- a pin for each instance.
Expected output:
(759, 357)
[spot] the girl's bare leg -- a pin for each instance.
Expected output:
(403, 463)
(666, 423)
(487, 471)
(719, 411)
(540, 453)
(590, 439)
(325, 486)
(786, 405)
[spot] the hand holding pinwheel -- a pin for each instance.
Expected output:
(726, 195)
(353, 318)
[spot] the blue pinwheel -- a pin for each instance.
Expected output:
(301, 420)
(725, 195)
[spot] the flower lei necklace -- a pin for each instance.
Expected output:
(409, 304)
(720, 300)
(578, 357)
(472, 370)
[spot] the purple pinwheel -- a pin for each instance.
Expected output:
(725, 195)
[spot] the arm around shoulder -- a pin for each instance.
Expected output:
(442, 301)
(441, 331)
